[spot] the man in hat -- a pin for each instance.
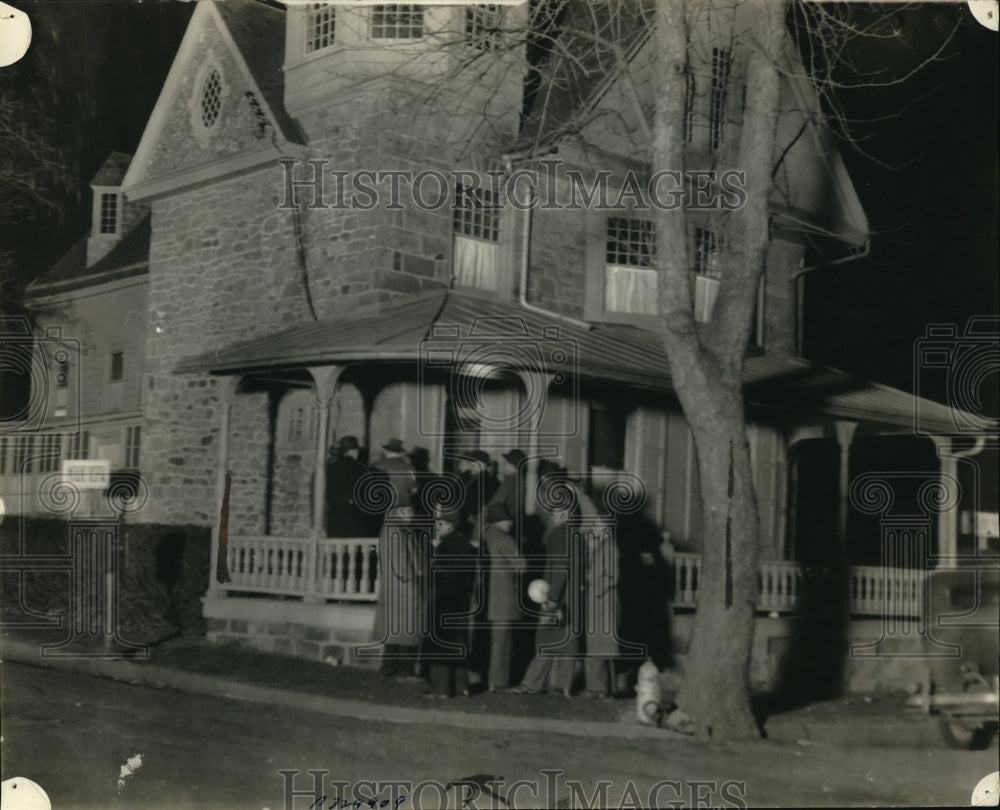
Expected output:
(478, 488)
(396, 468)
(511, 489)
(344, 518)
(504, 609)
(453, 570)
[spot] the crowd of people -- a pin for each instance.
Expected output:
(481, 595)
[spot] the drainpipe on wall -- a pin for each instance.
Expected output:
(799, 306)
(525, 250)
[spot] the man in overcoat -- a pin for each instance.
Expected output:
(344, 517)
(504, 609)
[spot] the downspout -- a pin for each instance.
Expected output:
(522, 296)
(796, 279)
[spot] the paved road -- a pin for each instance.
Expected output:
(72, 733)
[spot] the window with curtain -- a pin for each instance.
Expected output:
(476, 229)
(629, 276)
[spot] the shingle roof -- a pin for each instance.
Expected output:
(130, 257)
(113, 170)
(259, 32)
(411, 329)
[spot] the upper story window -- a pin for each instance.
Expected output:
(211, 98)
(622, 279)
(483, 26)
(476, 225)
(397, 21)
(320, 25)
(476, 213)
(690, 88)
(629, 275)
(79, 445)
(133, 438)
(51, 452)
(23, 447)
(117, 366)
(108, 217)
(707, 273)
(721, 65)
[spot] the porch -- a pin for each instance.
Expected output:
(285, 397)
(347, 570)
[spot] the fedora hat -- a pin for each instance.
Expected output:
(348, 443)
(514, 456)
(394, 445)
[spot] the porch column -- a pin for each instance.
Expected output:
(225, 388)
(325, 379)
(845, 434)
(948, 518)
(533, 381)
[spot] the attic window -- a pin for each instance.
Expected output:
(397, 21)
(108, 222)
(211, 98)
(320, 24)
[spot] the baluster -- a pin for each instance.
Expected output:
(363, 585)
(323, 584)
(305, 568)
(337, 567)
(352, 585)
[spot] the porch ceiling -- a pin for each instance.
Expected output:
(406, 329)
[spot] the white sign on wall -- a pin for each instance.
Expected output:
(93, 473)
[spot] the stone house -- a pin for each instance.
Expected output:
(286, 308)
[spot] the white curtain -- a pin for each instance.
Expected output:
(476, 263)
(705, 291)
(630, 289)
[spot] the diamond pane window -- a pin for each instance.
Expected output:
(397, 21)
(211, 98)
(320, 24)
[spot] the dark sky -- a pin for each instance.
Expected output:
(933, 206)
(934, 256)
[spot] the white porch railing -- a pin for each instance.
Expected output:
(873, 590)
(347, 569)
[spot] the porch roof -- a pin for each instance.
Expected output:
(405, 329)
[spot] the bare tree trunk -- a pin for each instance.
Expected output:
(706, 364)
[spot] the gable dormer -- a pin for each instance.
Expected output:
(112, 217)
